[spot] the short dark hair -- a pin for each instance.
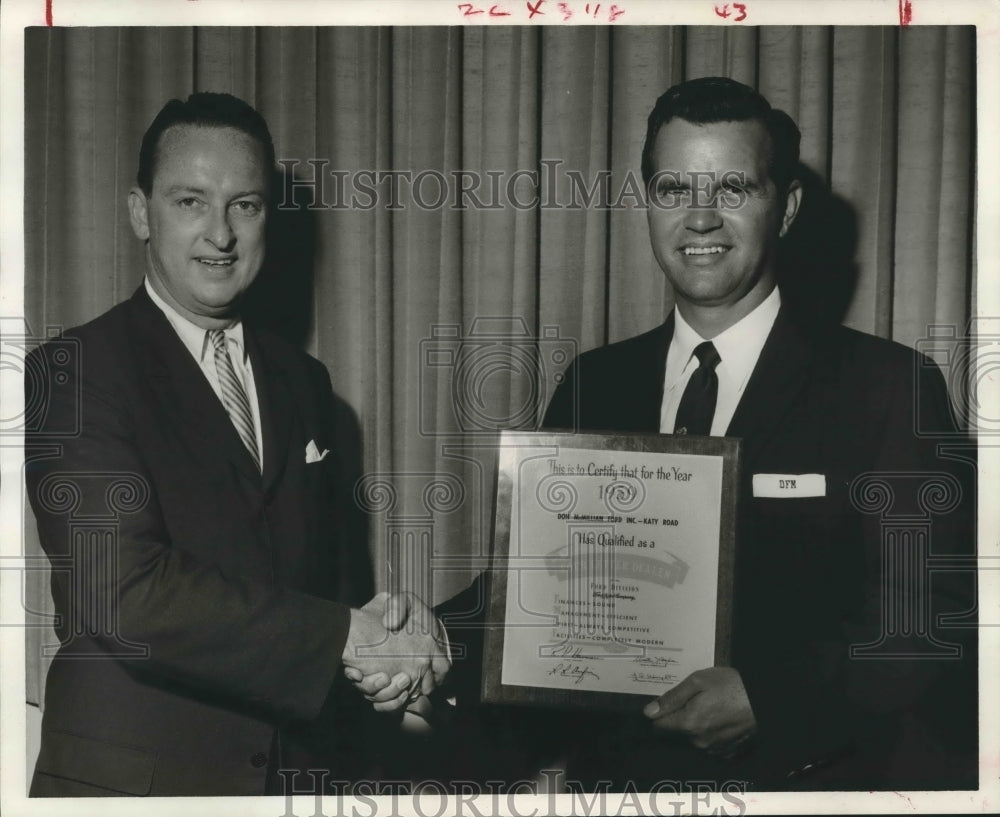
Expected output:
(720, 99)
(206, 109)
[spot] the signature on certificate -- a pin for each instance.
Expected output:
(654, 661)
(572, 651)
(654, 677)
(569, 669)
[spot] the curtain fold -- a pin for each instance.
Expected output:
(645, 62)
(434, 317)
(863, 163)
(575, 99)
(797, 78)
(933, 183)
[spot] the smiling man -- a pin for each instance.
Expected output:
(842, 673)
(204, 221)
(204, 636)
(808, 702)
(715, 217)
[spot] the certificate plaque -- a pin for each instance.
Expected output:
(612, 566)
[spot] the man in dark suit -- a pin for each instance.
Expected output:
(202, 629)
(842, 675)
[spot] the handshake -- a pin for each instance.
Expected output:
(396, 651)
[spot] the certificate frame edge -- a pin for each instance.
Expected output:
(732, 469)
(492, 689)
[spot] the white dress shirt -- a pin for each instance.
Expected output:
(196, 340)
(738, 347)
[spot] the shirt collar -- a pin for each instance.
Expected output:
(192, 336)
(739, 346)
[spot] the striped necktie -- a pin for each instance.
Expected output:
(234, 396)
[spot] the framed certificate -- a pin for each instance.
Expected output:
(612, 566)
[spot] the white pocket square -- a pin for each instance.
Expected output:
(312, 452)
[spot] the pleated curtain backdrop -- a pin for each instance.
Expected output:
(391, 295)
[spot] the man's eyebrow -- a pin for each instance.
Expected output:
(183, 188)
(199, 191)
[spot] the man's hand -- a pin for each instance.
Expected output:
(396, 651)
(710, 707)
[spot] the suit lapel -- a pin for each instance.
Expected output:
(181, 389)
(275, 399)
(780, 374)
(648, 367)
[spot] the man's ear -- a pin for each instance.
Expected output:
(792, 202)
(138, 213)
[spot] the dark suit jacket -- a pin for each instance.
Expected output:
(811, 574)
(196, 597)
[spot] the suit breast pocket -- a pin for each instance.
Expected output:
(809, 541)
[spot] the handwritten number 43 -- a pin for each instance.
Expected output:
(741, 11)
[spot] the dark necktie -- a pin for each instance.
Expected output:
(234, 396)
(697, 407)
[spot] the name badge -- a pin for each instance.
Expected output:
(789, 486)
